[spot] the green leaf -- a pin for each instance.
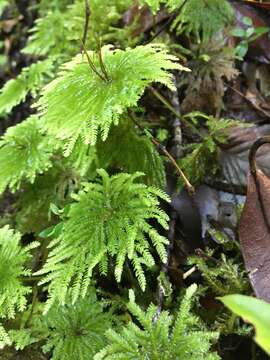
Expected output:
(250, 31)
(238, 32)
(242, 49)
(247, 21)
(254, 311)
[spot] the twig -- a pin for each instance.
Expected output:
(102, 65)
(164, 102)
(176, 125)
(170, 107)
(162, 148)
(256, 107)
(92, 65)
(86, 22)
(167, 23)
(189, 272)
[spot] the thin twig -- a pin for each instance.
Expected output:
(256, 107)
(167, 23)
(102, 65)
(176, 124)
(189, 272)
(162, 148)
(170, 107)
(86, 22)
(92, 65)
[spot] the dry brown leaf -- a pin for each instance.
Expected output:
(233, 156)
(254, 228)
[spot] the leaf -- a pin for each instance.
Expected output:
(247, 21)
(238, 32)
(254, 229)
(255, 311)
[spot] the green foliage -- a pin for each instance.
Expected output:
(3, 4)
(202, 160)
(223, 276)
(33, 203)
(146, 159)
(30, 80)
(254, 311)
(4, 338)
(76, 332)
(59, 31)
(44, 39)
(108, 219)
(24, 153)
(182, 337)
(90, 104)
(201, 18)
(12, 260)
(247, 35)
(55, 186)
(68, 332)
(44, 6)
(75, 172)
(57, 35)
(154, 5)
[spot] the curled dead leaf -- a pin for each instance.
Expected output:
(254, 227)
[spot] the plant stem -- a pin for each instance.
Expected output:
(161, 147)
(169, 106)
(86, 22)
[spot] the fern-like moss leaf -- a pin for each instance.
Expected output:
(12, 260)
(80, 104)
(76, 332)
(108, 219)
(24, 152)
(161, 337)
(30, 80)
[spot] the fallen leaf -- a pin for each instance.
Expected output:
(254, 228)
(233, 156)
(143, 19)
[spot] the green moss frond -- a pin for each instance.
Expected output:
(24, 153)
(109, 219)
(81, 104)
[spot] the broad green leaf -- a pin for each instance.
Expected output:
(254, 311)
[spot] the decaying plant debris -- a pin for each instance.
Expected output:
(135, 190)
